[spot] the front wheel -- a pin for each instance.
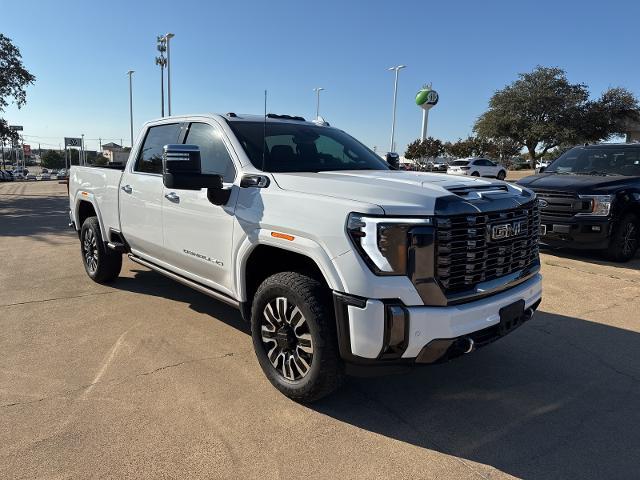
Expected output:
(294, 336)
(625, 239)
(475, 174)
(101, 264)
(501, 175)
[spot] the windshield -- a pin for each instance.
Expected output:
(460, 163)
(598, 161)
(294, 147)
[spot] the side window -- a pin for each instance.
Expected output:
(213, 153)
(150, 157)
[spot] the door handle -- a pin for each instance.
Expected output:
(127, 188)
(172, 197)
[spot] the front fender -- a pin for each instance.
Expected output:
(301, 245)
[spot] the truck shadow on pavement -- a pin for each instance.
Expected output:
(558, 398)
(35, 216)
(596, 257)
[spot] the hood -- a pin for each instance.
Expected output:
(396, 192)
(577, 183)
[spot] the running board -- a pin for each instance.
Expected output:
(185, 281)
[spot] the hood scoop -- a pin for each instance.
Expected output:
(469, 192)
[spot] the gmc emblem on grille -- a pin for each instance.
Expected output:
(505, 230)
(543, 203)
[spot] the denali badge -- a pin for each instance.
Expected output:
(505, 230)
(542, 203)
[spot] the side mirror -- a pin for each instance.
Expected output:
(393, 159)
(181, 169)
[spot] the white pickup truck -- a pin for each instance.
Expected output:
(339, 263)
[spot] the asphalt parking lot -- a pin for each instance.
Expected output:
(148, 379)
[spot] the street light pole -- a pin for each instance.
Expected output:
(167, 38)
(130, 73)
(395, 98)
(318, 90)
(162, 61)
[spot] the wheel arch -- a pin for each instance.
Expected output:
(86, 207)
(262, 260)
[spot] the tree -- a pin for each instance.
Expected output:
(100, 160)
(421, 150)
(14, 78)
(53, 159)
(542, 110)
(460, 148)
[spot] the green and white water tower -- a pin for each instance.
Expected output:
(426, 98)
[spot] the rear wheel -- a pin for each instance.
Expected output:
(294, 336)
(625, 239)
(501, 175)
(101, 264)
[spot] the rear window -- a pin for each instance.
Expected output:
(460, 163)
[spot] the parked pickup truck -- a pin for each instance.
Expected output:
(589, 198)
(339, 263)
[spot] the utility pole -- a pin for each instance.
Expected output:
(395, 98)
(167, 38)
(318, 90)
(130, 73)
(100, 143)
(162, 61)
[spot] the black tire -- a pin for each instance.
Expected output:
(625, 239)
(475, 174)
(316, 332)
(101, 264)
(501, 175)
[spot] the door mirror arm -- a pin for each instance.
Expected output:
(219, 195)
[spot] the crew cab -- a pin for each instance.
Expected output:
(340, 264)
(589, 198)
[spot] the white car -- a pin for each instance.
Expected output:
(477, 167)
(338, 262)
(44, 176)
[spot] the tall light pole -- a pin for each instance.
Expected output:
(395, 97)
(167, 38)
(162, 61)
(130, 73)
(318, 90)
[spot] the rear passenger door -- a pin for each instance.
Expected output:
(141, 192)
(198, 234)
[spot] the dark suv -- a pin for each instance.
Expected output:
(589, 198)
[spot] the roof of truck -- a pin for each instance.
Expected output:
(243, 117)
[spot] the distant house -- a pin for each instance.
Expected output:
(115, 153)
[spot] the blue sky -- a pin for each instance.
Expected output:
(226, 53)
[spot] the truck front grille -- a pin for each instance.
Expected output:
(467, 253)
(560, 204)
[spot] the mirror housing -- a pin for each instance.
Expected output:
(393, 159)
(181, 169)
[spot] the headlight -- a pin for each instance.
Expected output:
(383, 241)
(600, 204)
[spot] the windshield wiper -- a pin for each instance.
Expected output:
(599, 172)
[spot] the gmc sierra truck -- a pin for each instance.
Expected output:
(589, 198)
(340, 264)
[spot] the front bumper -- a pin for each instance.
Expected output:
(370, 333)
(586, 232)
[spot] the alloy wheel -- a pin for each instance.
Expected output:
(287, 339)
(90, 250)
(629, 238)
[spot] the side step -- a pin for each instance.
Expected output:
(189, 283)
